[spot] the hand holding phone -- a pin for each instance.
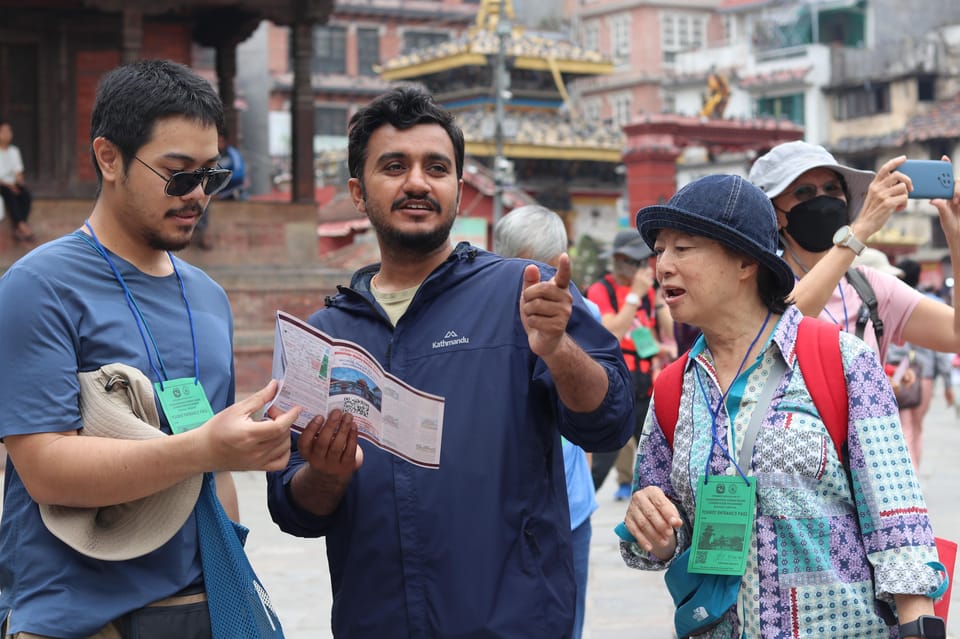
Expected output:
(931, 178)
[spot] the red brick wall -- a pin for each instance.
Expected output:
(90, 67)
(160, 40)
(166, 40)
(254, 313)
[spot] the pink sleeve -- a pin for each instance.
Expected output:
(895, 301)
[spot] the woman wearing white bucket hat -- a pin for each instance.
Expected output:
(826, 212)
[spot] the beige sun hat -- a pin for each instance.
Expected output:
(877, 260)
(117, 401)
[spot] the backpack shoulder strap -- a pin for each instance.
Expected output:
(611, 293)
(863, 288)
(648, 303)
(818, 353)
(667, 389)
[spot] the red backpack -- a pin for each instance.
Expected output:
(818, 353)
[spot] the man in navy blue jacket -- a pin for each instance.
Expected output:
(481, 546)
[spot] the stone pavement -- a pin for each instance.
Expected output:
(621, 602)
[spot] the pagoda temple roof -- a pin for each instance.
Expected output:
(543, 134)
(479, 46)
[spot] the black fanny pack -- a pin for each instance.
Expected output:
(182, 616)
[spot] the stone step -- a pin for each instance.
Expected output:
(257, 293)
(252, 359)
(243, 233)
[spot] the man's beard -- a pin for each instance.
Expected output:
(421, 243)
(160, 242)
(413, 243)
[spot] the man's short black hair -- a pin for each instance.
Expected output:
(131, 98)
(402, 107)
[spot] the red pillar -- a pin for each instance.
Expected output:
(651, 174)
(655, 142)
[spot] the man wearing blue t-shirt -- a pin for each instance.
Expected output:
(112, 292)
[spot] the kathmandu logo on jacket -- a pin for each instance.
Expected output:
(451, 339)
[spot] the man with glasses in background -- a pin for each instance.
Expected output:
(110, 293)
(631, 309)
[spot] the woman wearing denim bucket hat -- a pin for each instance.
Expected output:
(747, 481)
(826, 212)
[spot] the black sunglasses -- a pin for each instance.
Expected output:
(183, 182)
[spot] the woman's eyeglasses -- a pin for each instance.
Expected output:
(806, 192)
(183, 182)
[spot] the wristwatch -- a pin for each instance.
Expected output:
(632, 298)
(845, 237)
(925, 627)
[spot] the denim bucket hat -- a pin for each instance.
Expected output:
(728, 209)
(776, 169)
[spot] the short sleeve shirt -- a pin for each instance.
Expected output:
(10, 163)
(62, 311)
(895, 303)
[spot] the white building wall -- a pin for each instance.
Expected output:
(689, 97)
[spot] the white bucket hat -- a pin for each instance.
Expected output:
(117, 401)
(775, 170)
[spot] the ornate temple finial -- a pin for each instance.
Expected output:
(488, 16)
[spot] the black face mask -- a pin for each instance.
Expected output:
(812, 223)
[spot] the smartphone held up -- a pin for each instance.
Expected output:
(931, 178)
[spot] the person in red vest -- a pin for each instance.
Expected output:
(631, 309)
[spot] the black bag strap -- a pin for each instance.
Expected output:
(869, 310)
(644, 304)
(611, 294)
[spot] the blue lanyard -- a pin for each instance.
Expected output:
(715, 412)
(843, 303)
(141, 321)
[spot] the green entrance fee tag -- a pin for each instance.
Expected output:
(724, 523)
(643, 342)
(184, 403)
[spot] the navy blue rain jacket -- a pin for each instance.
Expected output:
(481, 546)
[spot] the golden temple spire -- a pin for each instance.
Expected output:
(490, 11)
